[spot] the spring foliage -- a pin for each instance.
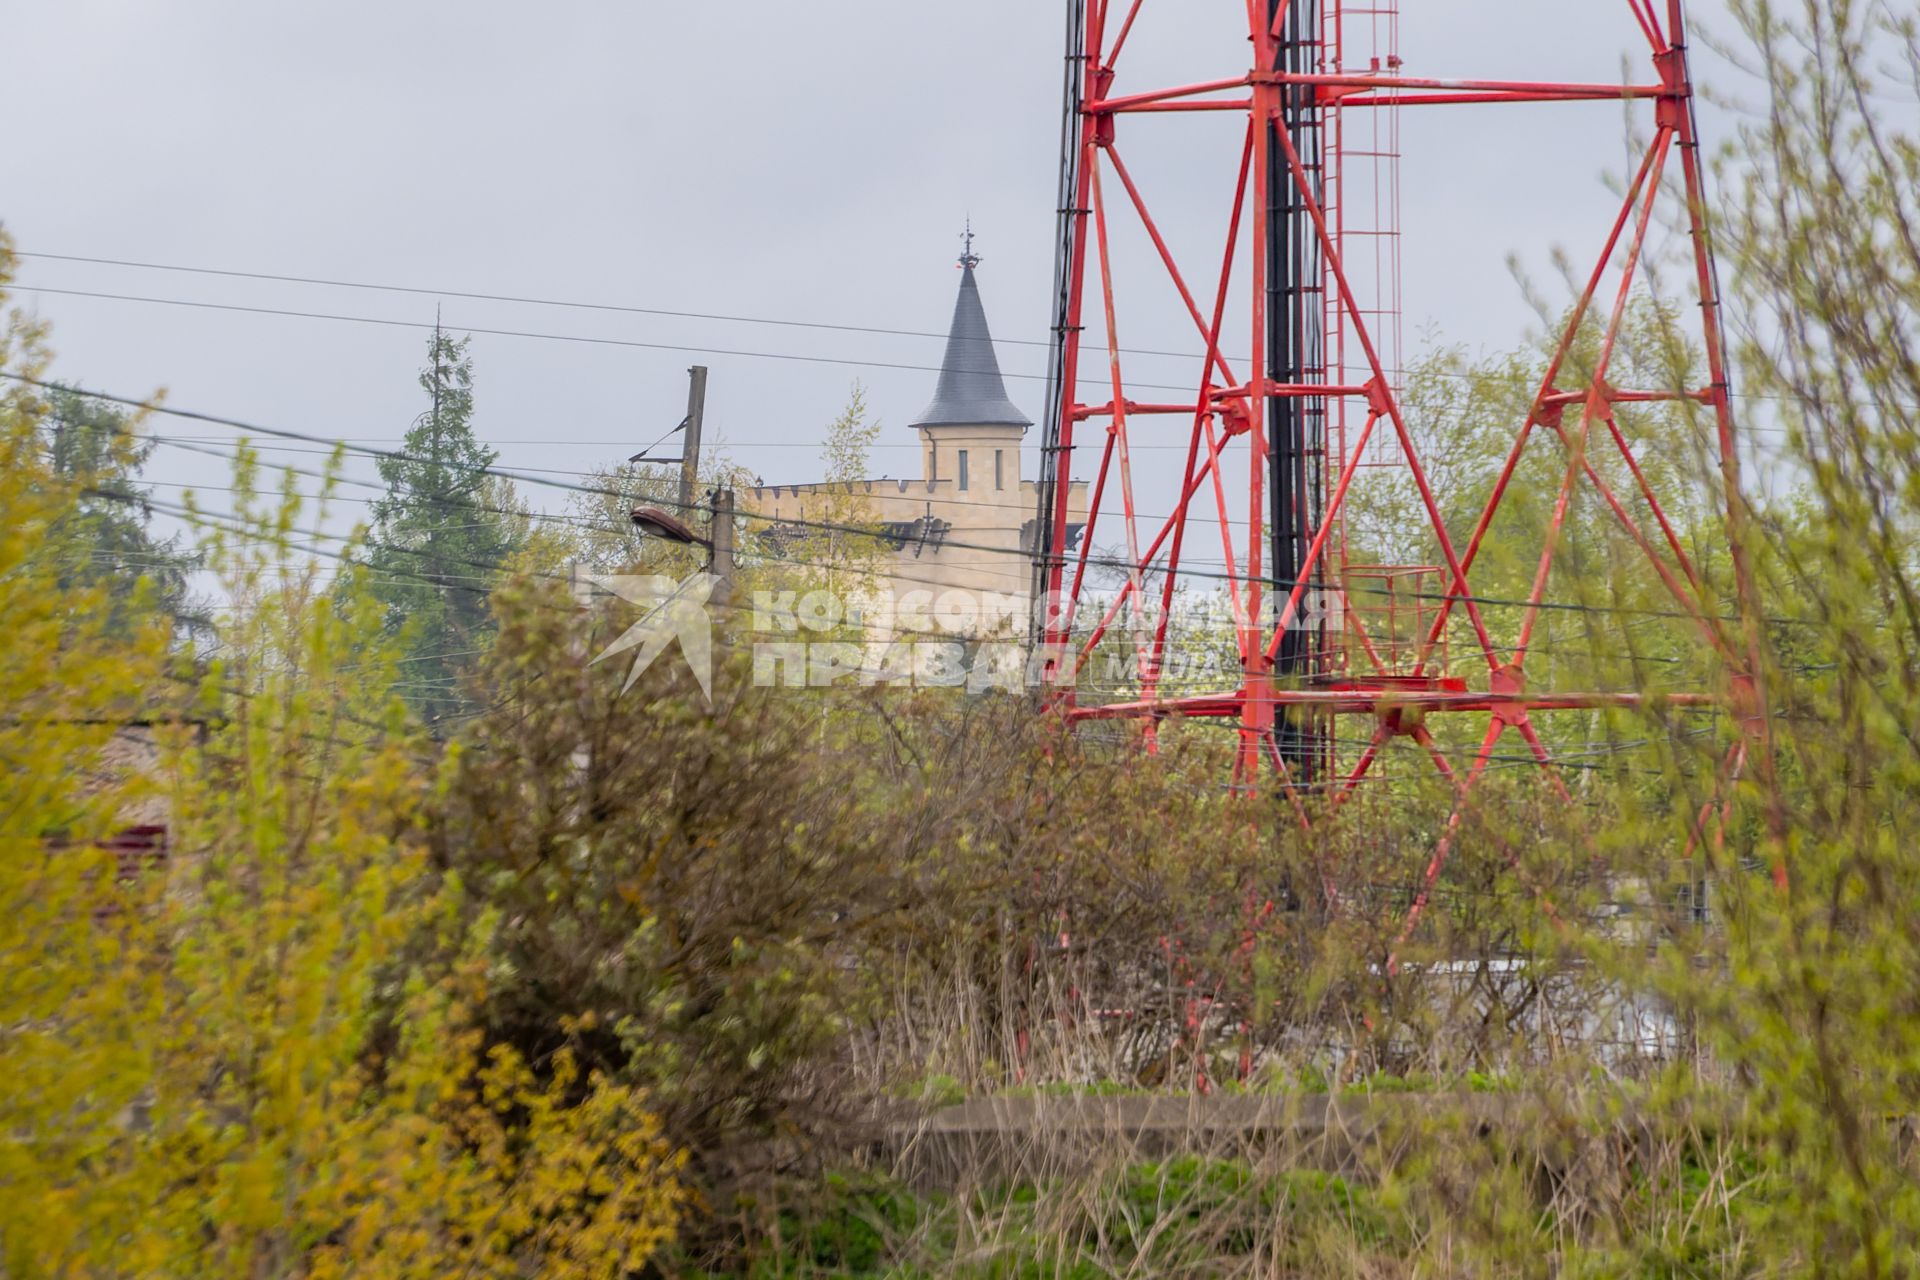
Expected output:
(261, 1057)
(602, 983)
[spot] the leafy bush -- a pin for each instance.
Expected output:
(259, 1056)
(684, 894)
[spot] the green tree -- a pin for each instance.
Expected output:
(257, 1057)
(105, 537)
(841, 548)
(441, 534)
(600, 532)
(1814, 1001)
(600, 528)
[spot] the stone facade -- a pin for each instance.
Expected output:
(960, 537)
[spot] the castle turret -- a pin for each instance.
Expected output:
(962, 534)
(970, 434)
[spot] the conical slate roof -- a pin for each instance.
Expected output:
(971, 391)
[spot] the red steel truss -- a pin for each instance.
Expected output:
(1311, 400)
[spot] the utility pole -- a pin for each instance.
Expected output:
(720, 561)
(690, 457)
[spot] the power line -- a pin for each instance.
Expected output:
(628, 309)
(461, 582)
(190, 444)
(489, 578)
(532, 334)
(520, 300)
(709, 351)
(787, 522)
(719, 444)
(482, 583)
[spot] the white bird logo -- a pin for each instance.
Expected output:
(676, 611)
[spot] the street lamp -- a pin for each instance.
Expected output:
(655, 523)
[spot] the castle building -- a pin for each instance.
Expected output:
(965, 529)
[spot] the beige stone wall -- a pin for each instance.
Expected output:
(971, 480)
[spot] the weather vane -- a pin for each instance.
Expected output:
(969, 258)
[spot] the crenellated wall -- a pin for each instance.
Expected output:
(955, 532)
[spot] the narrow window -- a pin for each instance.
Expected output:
(963, 471)
(999, 471)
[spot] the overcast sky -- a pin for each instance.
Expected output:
(793, 162)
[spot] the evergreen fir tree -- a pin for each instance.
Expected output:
(440, 536)
(105, 537)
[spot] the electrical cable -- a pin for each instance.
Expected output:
(791, 522)
(627, 309)
(521, 300)
(590, 340)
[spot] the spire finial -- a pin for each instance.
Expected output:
(968, 258)
(971, 392)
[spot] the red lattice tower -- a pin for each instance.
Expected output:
(1309, 400)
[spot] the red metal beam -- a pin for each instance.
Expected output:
(1384, 701)
(1416, 91)
(1596, 401)
(1203, 424)
(1223, 409)
(1562, 350)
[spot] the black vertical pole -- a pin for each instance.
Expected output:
(1054, 469)
(1295, 354)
